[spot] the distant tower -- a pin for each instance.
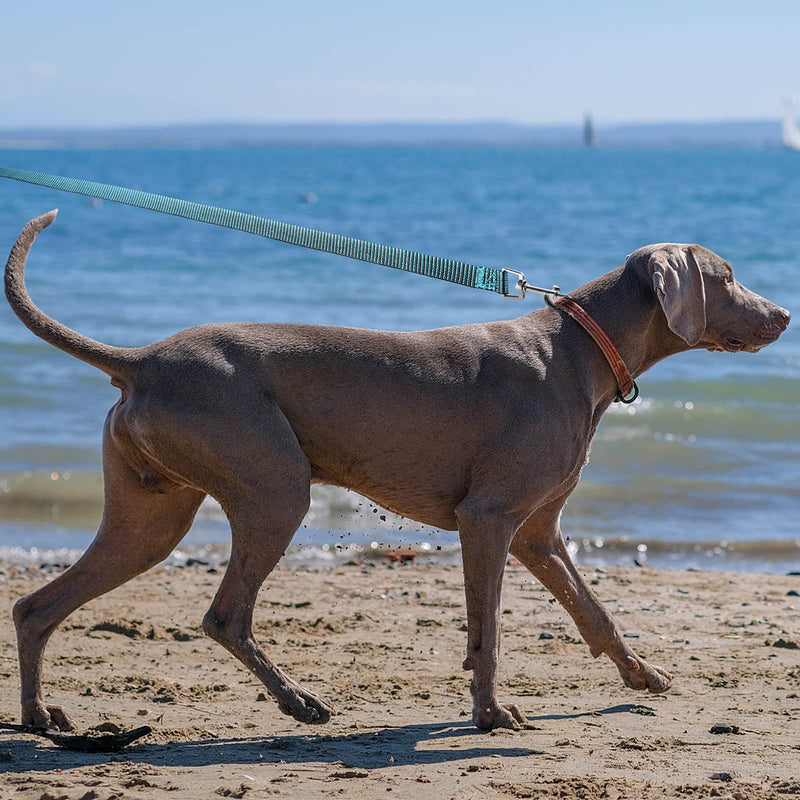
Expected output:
(589, 139)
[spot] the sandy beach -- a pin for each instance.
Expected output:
(384, 643)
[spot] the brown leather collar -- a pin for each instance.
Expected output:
(627, 390)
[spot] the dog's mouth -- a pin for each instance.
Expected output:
(763, 339)
(730, 344)
(727, 345)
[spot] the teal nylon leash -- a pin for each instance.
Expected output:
(507, 282)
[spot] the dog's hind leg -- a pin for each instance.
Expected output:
(139, 528)
(259, 539)
(539, 546)
(265, 498)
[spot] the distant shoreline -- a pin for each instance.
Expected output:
(732, 133)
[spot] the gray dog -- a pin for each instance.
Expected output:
(481, 428)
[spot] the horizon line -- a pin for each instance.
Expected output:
(598, 124)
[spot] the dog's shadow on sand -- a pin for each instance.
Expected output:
(373, 748)
(364, 749)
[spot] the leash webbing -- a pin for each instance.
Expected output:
(490, 278)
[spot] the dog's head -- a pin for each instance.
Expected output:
(704, 304)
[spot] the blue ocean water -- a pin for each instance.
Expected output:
(704, 469)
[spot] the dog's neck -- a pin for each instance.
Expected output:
(637, 327)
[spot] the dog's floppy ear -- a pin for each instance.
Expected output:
(678, 283)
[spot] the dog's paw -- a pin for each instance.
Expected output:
(497, 716)
(52, 718)
(305, 707)
(638, 674)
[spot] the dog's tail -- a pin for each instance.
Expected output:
(114, 361)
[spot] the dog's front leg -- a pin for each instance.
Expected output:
(484, 550)
(539, 546)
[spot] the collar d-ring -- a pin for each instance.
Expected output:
(628, 400)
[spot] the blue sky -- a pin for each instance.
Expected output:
(124, 63)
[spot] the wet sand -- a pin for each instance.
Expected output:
(384, 644)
